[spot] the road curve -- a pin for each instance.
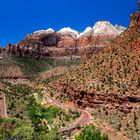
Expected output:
(84, 119)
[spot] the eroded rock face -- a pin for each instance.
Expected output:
(50, 40)
(65, 42)
(85, 38)
(84, 99)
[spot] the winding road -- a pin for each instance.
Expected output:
(84, 119)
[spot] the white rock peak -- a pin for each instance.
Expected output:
(105, 27)
(50, 30)
(67, 30)
(100, 27)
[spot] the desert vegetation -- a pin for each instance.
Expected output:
(20, 67)
(25, 113)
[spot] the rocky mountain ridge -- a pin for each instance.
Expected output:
(65, 42)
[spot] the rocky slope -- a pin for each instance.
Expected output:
(65, 42)
(109, 80)
(114, 71)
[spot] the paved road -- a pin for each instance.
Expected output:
(84, 119)
(2, 106)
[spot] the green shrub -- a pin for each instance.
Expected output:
(91, 133)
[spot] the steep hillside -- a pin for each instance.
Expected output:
(113, 70)
(110, 81)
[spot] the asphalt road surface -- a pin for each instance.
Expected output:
(84, 119)
(2, 106)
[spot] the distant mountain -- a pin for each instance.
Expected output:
(100, 35)
(65, 42)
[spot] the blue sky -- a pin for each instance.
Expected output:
(21, 17)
